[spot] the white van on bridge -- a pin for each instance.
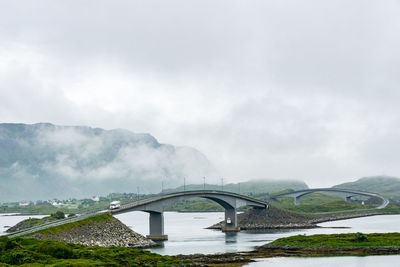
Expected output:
(115, 205)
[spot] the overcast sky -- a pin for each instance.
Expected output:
(265, 89)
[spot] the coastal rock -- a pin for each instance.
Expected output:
(271, 218)
(276, 218)
(105, 232)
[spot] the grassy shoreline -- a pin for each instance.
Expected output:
(353, 244)
(334, 245)
(19, 251)
(353, 240)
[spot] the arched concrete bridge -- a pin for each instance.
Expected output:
(348, 194)
(157, 205)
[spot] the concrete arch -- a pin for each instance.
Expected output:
(157, 205)
(347, 194)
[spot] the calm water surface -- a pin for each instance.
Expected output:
(187, 235)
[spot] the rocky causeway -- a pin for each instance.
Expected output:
(106, 232)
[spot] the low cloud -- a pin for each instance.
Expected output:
(81, 161)
(299, 90)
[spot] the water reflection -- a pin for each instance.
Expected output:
(231, 238)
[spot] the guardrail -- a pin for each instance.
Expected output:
(56, 223)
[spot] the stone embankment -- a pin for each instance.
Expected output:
(106, 231)
(276, 218)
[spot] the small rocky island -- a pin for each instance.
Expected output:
(102, 230)
(277, 218)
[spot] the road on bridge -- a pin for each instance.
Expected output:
(142, 203)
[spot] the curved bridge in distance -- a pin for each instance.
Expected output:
(348, 194)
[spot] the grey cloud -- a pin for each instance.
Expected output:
(283, 89)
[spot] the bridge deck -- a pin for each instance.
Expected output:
(137, 204)
(194, 193)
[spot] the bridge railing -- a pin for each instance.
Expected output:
(54, 223)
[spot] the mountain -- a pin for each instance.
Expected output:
(384, 185)
(42, 161)
(250, 187)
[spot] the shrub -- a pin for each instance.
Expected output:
(55, 249)
(16, 257)
(10, 244)
(360, 237)
(58, 215)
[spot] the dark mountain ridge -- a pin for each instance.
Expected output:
(42, 161)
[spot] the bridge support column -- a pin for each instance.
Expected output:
(230, 221)
(296, 201)
(156, 222)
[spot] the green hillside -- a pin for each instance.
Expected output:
(384, 185)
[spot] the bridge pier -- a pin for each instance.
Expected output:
(296, 201)
(157, 205)
(230, 221)
(156, 222)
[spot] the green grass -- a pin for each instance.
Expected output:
(354, 240)
(68, 226)
(35, 221)
(33, 252)
(392, 207)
